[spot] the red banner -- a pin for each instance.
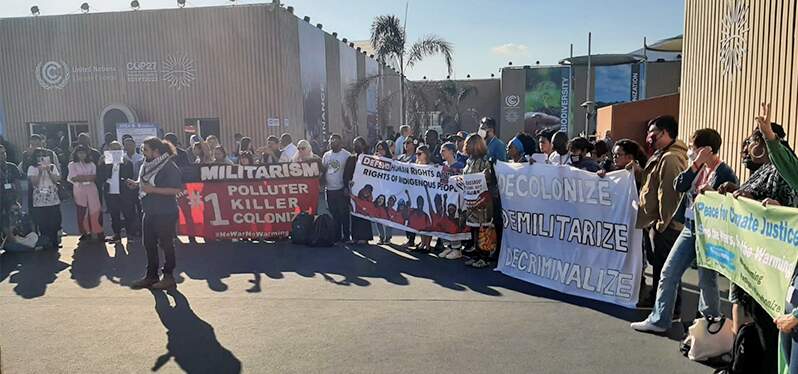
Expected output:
(229, 201)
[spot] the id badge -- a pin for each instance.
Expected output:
(7, 186)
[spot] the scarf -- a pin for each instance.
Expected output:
(150, 169)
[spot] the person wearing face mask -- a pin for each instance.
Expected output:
(658, 198)
(497, 150)
(361, 228)
(578, 149)
(706, 172)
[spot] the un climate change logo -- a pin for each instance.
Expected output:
(512, 100)
(52, 74)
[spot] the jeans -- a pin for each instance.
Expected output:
(159, 230)
(385, 232)
(338, 203)
(679, 260)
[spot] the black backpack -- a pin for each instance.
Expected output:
(323, 231)
(302, 229)
(748, 353)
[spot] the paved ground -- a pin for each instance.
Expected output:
(286, 309)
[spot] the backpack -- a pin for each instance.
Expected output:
(302, 229)
(324, 231)
(748, 352)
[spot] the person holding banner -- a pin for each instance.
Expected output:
(382, 149)
(786, 162)
(625, 155)
(159, 183)
(706, 172)
(578, 150)
(419, 219)
(480, 217)
(361, 228)
(305, 152)
(82, 175)
(337, 193)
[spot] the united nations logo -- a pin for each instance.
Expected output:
(511, 100)
(179, 72)
(52, 74)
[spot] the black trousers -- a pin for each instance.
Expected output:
(119, 206)
(159, 231)
(499, 225)
(338, 202)
(48, 222)
(658, 253)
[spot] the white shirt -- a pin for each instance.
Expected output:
(557, 159)
(334, 162)
(46, 192)
(288, 153)
(400, 146)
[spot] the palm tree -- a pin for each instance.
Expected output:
(450, 97)
(389, 40)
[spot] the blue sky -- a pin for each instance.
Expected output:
(486, 34)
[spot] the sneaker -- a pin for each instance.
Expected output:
(454, 254)
(409, 244)
(84, 237)
(143, 283)
(114, 239)
(167, 282)
(470, 261)
(479, 264)
(445, 253)
(645, 326)
(380, 242)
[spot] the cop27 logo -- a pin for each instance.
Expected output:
(52, 74)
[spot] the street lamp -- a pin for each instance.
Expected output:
(181, 3)
(134, 4)
(34, 10)
(84, 7)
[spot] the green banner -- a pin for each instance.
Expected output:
(753, 246)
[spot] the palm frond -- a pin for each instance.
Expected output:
(428, 46)
(465, 92)
(387, 37)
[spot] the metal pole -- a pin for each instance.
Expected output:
(587, 96)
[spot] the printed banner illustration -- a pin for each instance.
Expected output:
(754, 247)
(408, 197)
(571, 231)
(232, 201)
(474, 187)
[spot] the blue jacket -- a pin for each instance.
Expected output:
(497, 150)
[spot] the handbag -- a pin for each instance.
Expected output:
(708, 338)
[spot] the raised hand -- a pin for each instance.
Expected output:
(763, 121)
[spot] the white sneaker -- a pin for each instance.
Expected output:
(445, 253)
(454, 254)
(645, 326)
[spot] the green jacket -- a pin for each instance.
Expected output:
(785, 161)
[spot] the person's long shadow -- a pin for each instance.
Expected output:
(191, 342)
(31, 271)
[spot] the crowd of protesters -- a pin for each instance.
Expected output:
(669, 173)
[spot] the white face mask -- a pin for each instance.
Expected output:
(691, 155)
(482, 133)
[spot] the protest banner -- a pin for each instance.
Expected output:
(755, 247)
(569, 230)
(233, 201)
(408, 197)
(474, 187)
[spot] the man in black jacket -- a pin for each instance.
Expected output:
(181, 157)
(119, 197)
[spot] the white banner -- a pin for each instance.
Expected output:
(474, 187)
(569, 230)
(409, 197)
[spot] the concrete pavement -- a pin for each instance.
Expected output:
(279, 308)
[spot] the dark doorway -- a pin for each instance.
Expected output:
(111, 118)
